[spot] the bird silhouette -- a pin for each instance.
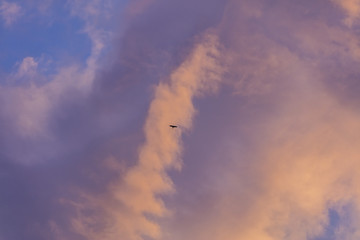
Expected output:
(173, 126)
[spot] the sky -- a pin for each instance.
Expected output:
(264, 94)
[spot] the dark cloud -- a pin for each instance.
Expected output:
(42, 174)
(280, 56)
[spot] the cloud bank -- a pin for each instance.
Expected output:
(266, 99)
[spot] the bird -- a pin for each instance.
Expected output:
(173, 126)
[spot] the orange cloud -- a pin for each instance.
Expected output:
(133, 202)
(302, 154)
(352, 7)
(303, 162)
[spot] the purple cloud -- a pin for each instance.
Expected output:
(265, 96)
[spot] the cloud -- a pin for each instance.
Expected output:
(266, 97)
(95, 14)
(27, 67)
(352, 8)
(281, 152)
(138, 6)
(140, 189)
(29, 100)
(58, 135)
(10, 12)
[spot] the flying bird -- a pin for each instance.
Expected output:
(173, 126)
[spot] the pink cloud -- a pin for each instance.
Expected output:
(10, 12)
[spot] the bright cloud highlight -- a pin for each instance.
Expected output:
(265, 97)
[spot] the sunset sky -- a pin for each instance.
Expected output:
(265, 94)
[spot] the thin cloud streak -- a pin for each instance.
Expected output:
(266, 97)
(352, 8)
(289, 156)
(140, 189)
(10, 12)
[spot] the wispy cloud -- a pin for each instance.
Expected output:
(266, 100)
(27, 104)
(10, 12)
(284, 155)
(352, 8)
(140, 190)
(28, 67)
